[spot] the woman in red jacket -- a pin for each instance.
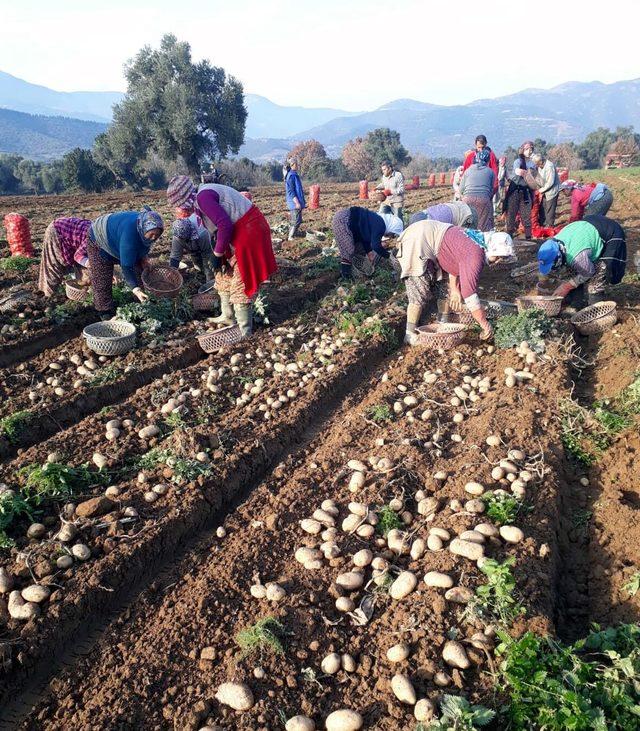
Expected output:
(481, 144)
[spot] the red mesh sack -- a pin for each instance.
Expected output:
(416, 181)
(563, 174)
(432, 180)
(18, 234)
(443, 178)
(364, 190)
(451, 178)
(314, 196)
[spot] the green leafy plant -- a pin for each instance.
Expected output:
(108, 374)
(18, 264)
(459, 715)
(359, 294)
(495, 601)
(261, 309)
(120, 295)
(13, 426)
(379, 413)
(175, 420)
(351, 321)
(65, 311)
(501, 508)
(150, 317)
(151, 459)
(592, 685)
(190, 469)
(265, 635)
(388, 520)
(12, 508)
(530, 325)
(55, 481)
(632, 587)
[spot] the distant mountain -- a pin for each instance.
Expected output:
(267, 119)
(566, 112)
(44, 138)
(34, 99)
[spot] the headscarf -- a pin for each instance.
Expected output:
(440, 212)
(393, 224)
(549, 255)
(185, 229)
(148, 220)
(494, 243)
(482, 158)
(181, 192)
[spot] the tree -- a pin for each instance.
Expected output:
(357, 159)
(306, 153)
(51, 177)
(174, 108)
(626, 146)
(384, 144)
(78, 170)
(595, 146)
(328, 169)
(566, 155)
(9, 182)
(28, 173)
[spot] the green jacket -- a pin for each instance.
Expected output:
(579, 236)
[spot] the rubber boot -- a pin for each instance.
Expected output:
(413, 318)
(244, 316)
(444, 311)
(226, 316)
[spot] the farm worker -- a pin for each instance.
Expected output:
(545, 180)
(295, 195)
(456, 213)
(392, 186)
(428, 250)
(120, 238)
(471, 157)
(243, 252)
(518, 198)
(595, 252)
(477, 187)
(64, 249)
(587, 199)
(189, 236)
(358, 233)
(498, 196)
(457, 177)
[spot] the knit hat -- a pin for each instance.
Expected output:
(393, 224)
(181, 192)
(548, 254)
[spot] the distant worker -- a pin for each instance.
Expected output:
(548, 185)
(358, 234)
(64, 250)
(455, 213)
(594, 250)
(295, 195)
(498, 196)
(457, 177)
(587, 199)
(190, 237)
(477, 188)
(470, 157)
(429, 249)
(243, 254)
(123, 238)
(519, 197)
(392, 186)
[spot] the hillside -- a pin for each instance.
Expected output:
(44, 138)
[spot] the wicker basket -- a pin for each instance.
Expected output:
(525, 271)
(75, 292)
(493, 309)
(550, 305)
(204, 301)
(162, 281)
(112, 337)
(595, 318)
(443, 335)
(316, 237)
(363, 265)
(216, 339)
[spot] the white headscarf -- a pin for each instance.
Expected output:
(393, 224)
(498, 243)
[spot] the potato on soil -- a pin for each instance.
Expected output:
(455, 655)
(403, 689)
(344, 720)
(235, 695)
(300, 723)
(403, 585)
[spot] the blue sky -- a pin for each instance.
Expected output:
(350, 54)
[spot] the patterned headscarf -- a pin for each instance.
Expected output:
(149, 220)
(181, 192)
(482, 157)
(185, 229)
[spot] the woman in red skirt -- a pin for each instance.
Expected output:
(244, 256)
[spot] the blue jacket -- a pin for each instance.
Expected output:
(293, 189)
(126, 243)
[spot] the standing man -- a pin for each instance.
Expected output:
(295, 195)
(548, 185)
(480, 145)
(392, 186)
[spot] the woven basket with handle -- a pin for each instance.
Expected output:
(596, 318)
(75, 292)
(493, 309)
(443, 335)
(162, 281)
(216, 339)
(204, 301)
(550, 305)
(112, 337)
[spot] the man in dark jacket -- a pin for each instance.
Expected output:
(295, 195)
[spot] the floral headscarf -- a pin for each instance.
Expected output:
(185, 229)
(149, 220)
(482, 158)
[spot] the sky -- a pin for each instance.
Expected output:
(348, 54)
